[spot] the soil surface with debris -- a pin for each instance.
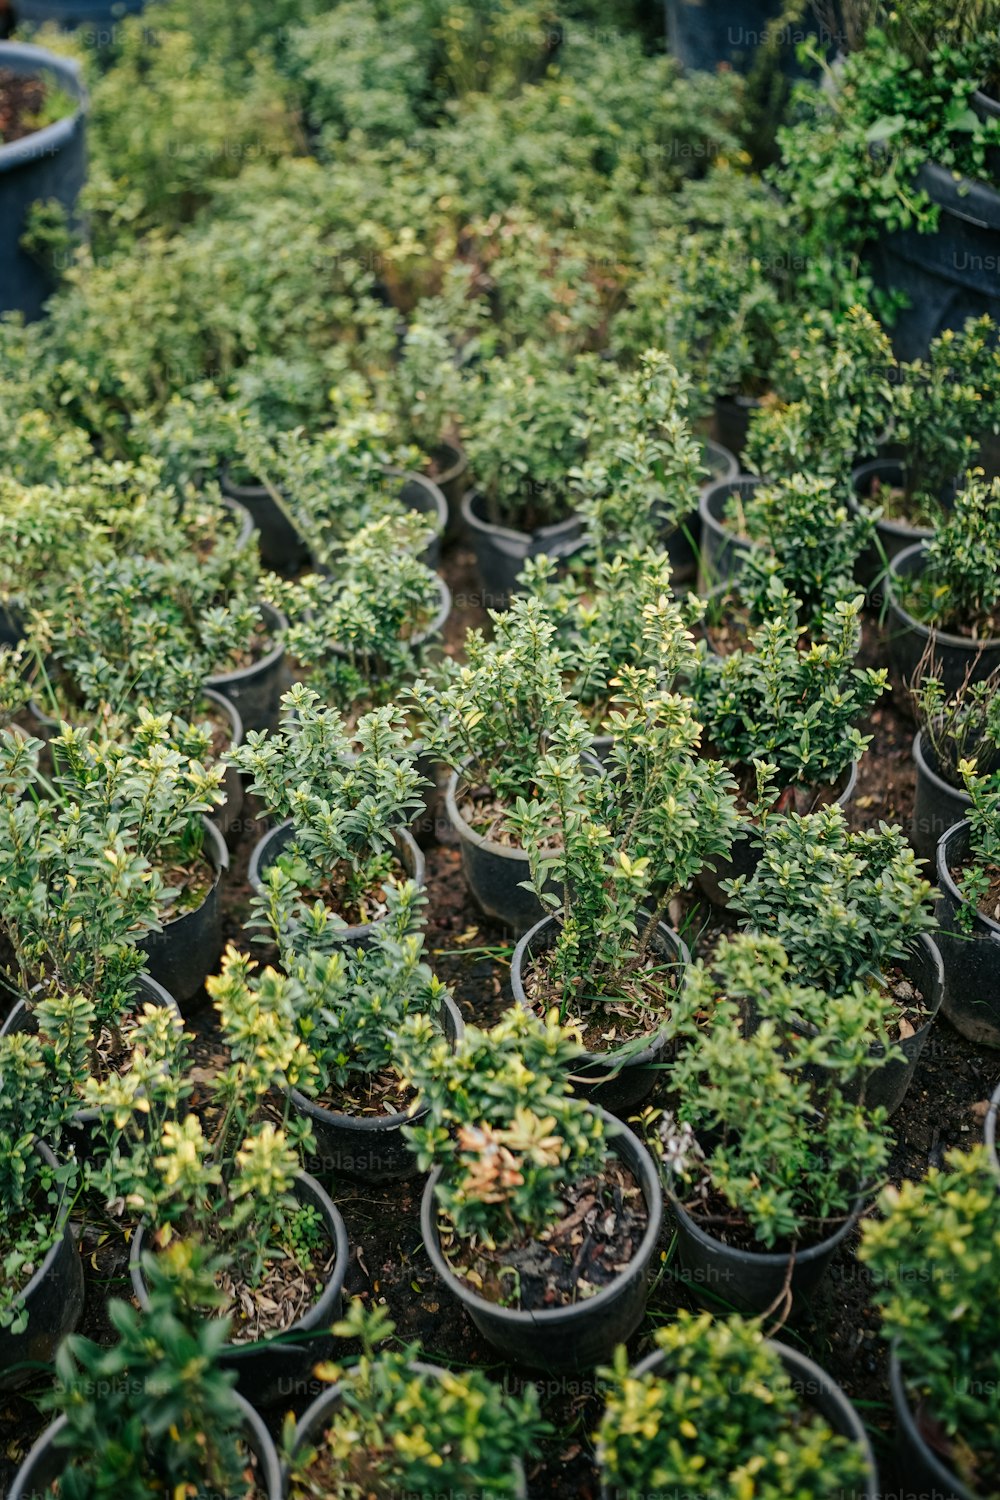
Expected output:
(944, 1108)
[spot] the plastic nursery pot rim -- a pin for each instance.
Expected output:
(772, 1259)
(82, 1119)
(439, 505)
(465, 830)
(858, 501)
(806, 1375)
(627, 1058)
(557, 532)
(374, 1124)
(553, 1317)
(322, 1309)
(946, 882)
(241, 516)
(25, 59)
(310, 1425)
(726, 465)
(713, 497)
(458, 465)
(903, 563)
(218, 857)
(422, 637)
(277, 624)
(934, 777)
(259, 1439)
(950, 1484)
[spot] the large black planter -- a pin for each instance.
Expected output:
(185, 951)
(563, 1338)
(750, 1281)
(745, 855)
(619, 1080)
(46, 1461)
(723, 553)
(368, 1148)
(937, 805)
(950, 274)
(316, 1418)
(54, 1299)
(267, 851)
(493, 872)
(956, 658)
(282, 549)
(278, 1366)
(921, 1471)
(818, 1392)
(256, 691)
(971, 959)
(49, 164)
(501, 552)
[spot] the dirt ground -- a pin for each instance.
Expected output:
(839, 1328)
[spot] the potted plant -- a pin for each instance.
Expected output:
(491, 718)
(518, 1165)
(41, 1291)
(343, 832)
(360, 632)
(523, 439)
(767, 1161)
(962, 725)
(943, 595)
(966, 909)
(796, 529)
(782, 714)
(397, 1425)
(42, 157)
(716, 1400)
(346, 1004)
(933, 1256)
(230, 1178)
(609, 852)
(639, 479)
(851, 907)
(154, 1412)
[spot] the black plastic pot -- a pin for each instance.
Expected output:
(991, 1131)
(893, 536)
(54, 1299)
(281, 547)
(427, 637)
(922, 1473)
(619, 1080)
(956, 658)
(750, 1281)
(971, 959)
(100, 13)
(682, 542)
(267, 850)
(732, 413)
(563, 1338)
(886, 1087)
(745, 856)
(367, 1148)
(277, 1367)
(819, 1392)
(493, 872)
(452, 479)
(723, 554)
(256, 690)
(313, 1423)
(187, 950)
(501, 552)
(81, 1125)
(50, 164)
(46, 1462)
(420, 493)
(937, 805)
(950, 274)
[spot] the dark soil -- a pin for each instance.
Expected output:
(839, 1327)
(22, 99)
